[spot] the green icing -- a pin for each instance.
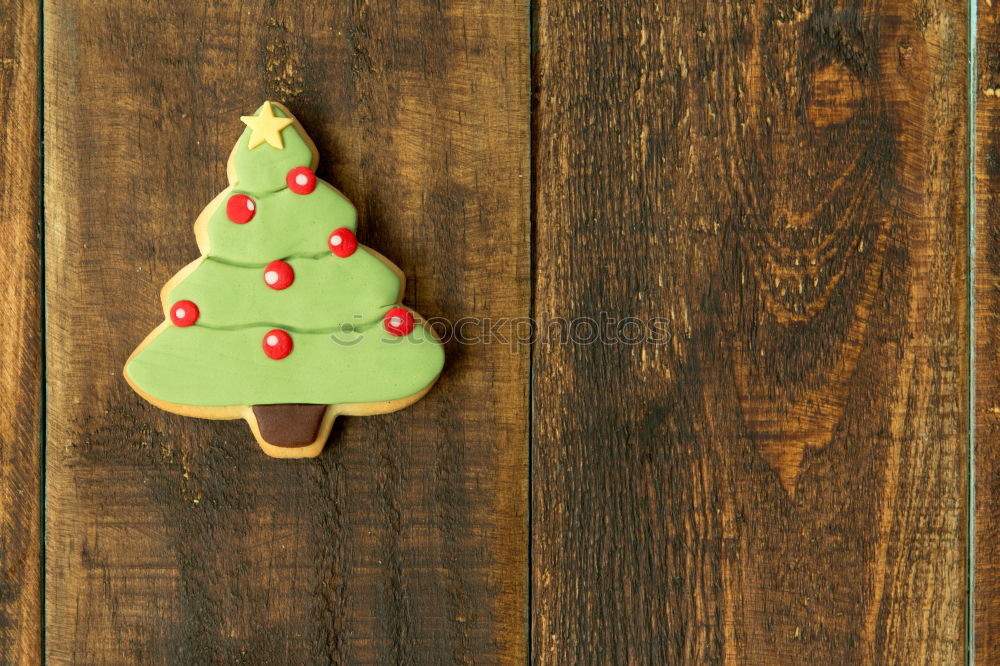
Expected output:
(285, 224)
(208, 367)
(327, 291)
(220, 360)
(263, 168)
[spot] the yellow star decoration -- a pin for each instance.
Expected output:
(266, 127)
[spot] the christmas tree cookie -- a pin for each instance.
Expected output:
(285, 320)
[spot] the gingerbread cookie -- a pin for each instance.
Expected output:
(285, 320)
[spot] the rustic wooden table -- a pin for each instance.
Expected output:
(786, 478)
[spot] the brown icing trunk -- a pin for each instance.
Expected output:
(289, 425)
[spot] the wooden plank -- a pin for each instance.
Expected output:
(21, 355)
(174, 540)
(987, 328)
(783, 481)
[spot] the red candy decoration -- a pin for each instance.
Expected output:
(184, 313)
(342, 242)
(301, 180)
(279, 275)
(398, 321)
(277, 344)
(240, 208)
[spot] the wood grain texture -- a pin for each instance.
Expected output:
(174, 540)
(20, 330)
(783, 482)
(987, 328)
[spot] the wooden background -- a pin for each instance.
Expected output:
(785, 479)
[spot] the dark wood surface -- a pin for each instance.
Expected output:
(175, 540)
(987, 329)
(785, 480)
(781, 480)
(20, 331)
